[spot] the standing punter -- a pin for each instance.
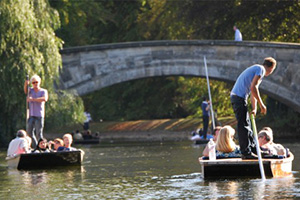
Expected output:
(36, 99)
(248, 82)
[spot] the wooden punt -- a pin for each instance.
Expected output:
(238, 168)
(202, 141)
(45, 160)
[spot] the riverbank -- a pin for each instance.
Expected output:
(140, 130)
(156, 130)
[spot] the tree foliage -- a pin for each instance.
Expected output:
(97, 22)
(258, 20)
(140, 99)
(28, 46)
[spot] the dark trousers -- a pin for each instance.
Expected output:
(86, 126)
(246, 138)
(205, 125)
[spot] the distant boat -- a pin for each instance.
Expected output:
(28, 161)
(199, 139)
(238, 168)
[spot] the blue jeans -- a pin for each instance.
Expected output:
(35, 124)
(246, 138)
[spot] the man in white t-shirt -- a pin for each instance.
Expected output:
(237, 34)
(18, 145)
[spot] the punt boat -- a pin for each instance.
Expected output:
(29, 161)
(238, 168)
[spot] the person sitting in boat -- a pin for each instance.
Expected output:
(198, 135)
(68, 139)
(280, 150)
(78, 135)
(87, 135)
(56, 144)
(225, 145)
(42, 146)
(215, 134)
(18, 145)
(264, 141)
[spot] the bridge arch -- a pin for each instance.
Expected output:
(90, 68)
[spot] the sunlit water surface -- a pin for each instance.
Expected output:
(141, 171)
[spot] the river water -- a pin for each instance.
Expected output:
(141, 171)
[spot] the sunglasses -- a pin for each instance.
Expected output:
(35, 82)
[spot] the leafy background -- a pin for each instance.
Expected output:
(33, 31)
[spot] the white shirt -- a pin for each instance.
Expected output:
(238, 35)
(88, 117)
(17, 146)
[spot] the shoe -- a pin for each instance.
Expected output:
(249, 156)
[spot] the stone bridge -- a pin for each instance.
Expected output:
(90, 68)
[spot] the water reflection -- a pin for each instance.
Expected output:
(35, 177)
(140, 171)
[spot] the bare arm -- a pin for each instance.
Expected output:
(208, 106)
(26, 86)
(255, 96)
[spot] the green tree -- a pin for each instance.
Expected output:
(139, 99)
(192, 90)
(258, 20)
(28, 46)
(95, 22)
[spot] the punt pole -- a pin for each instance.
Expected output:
(209, 94)
(261, 166)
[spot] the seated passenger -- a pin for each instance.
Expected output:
(87, 135)
(42, 146)
(78, 135)
(18, 145)
(198, 135)
(281, 151)
(225, 146)
(264, 141)
(67, 143)
(56, 143)
(215, 134)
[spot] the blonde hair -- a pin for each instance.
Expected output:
(225, 142)
(36, 77)
(68, 135)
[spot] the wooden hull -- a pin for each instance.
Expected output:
(88, 141)
(45, 160)
(201, 141)
(238, 168)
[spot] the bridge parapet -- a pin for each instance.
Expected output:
(90, 68)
